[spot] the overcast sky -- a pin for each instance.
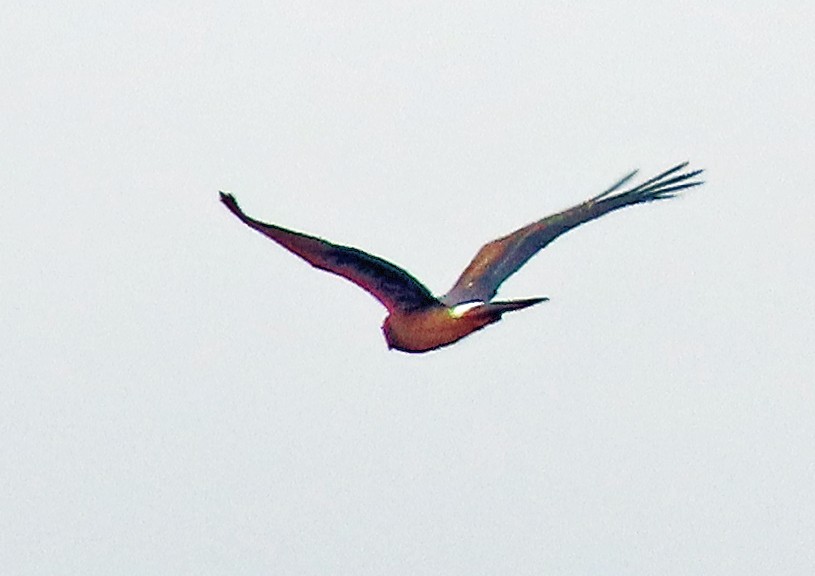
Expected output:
(179, 395)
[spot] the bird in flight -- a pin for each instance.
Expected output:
(417, 321)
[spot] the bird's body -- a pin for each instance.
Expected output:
(418, 321)
(439, 325)
(430, 328)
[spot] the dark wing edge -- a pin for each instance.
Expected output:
(395, 288)
(498, 260)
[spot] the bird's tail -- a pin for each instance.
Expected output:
(501, 307)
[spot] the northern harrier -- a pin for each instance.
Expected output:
(417, 320)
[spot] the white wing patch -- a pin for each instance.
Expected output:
(459, 310)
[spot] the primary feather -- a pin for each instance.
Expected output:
(498, 260)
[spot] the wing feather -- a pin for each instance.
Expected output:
(498, 260)
(388, 283)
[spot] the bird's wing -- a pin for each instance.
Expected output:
(499, 259)
(389, 284)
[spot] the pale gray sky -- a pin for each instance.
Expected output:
(181, 396)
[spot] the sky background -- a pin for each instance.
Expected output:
(179, 395)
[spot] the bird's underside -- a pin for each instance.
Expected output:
(417, 320)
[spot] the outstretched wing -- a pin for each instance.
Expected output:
(389, 284)
(499, 259)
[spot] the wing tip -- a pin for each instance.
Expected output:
(229, 201)
(663, 186)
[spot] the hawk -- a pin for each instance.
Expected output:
(417, 321)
